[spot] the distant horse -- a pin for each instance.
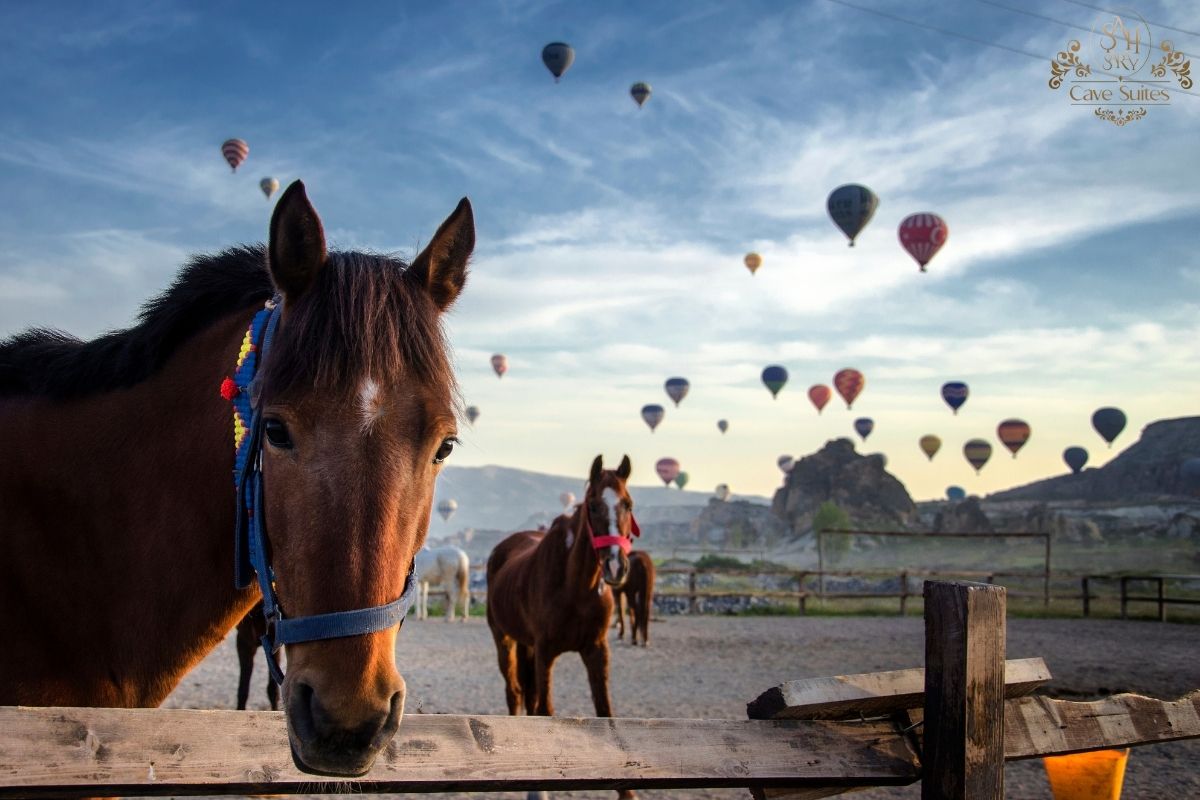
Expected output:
(119, 504)
(638, 595)
(549, 593)
(249, 638)
(448, 567)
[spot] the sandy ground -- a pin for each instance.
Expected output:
(711, 666)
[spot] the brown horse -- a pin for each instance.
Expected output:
(117, 495)
(548, 594)
(249, 638)
(638, 595)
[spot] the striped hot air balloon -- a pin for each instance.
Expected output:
(235, 152)
(1013, 434)
(677, 389)
(819, 395)
(977, 452)
(922, 235)
(653, 414)
(667, 469)
(446, 509)
(849, 384)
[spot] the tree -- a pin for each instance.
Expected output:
(830, 517)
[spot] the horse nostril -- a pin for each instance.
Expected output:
(301, 712)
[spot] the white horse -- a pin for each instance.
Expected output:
(448, 567)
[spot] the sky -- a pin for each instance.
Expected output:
(610, 238)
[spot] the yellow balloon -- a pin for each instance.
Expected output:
(930, 444)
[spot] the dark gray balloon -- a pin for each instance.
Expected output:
(851, 208)
(558, 58)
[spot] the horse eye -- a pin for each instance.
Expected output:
(444, 451)
(277, 434)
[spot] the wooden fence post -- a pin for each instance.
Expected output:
(821, 564)
(903, 592)
(1046, 576)
(964, 691)
(692, 592)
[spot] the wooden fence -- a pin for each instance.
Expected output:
(814, 584)
(951, 725)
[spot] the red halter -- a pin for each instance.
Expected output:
(608, 541)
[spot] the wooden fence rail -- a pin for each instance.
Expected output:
(950, 725)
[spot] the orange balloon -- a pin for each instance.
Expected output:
(819, 394)
(849, 384)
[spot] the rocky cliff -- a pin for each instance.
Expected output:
(1147, 470)
(859, 485)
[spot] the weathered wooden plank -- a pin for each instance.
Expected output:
(1040, 726)
(875, 693)
(964, 692)
(130, 752)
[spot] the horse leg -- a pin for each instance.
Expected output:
(595, 660)
(247, 645)
(635, 605)
(464, 592)
(643, 608)
(509, 661)
(528, 678)
(620, 598)
(543, 665)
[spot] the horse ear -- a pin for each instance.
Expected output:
(296, 251)
(625, 468)
(597, 469)
(441, 268)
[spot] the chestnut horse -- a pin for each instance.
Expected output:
(638, 595)
(548, 593)
(119, 508)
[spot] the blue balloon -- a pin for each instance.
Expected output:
(1109, 422)
(652, 414)
(955, 394)
(774, 377)
(956, 493)
(864, 426)
(677, 389)
(1075, 457)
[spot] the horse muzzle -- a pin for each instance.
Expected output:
(339, 743)
(614, 567)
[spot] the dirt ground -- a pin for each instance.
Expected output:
(711, 666)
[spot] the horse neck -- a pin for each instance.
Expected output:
(583, 568)
(139, 549)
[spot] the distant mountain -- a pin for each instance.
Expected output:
(1147, 470)
(509, 499)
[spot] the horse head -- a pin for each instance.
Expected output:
(357, 403)
(608, 510)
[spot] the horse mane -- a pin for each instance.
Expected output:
(360, 317)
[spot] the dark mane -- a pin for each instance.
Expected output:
(361, 317)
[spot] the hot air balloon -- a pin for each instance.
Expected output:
(1189, 471)
(500, 364)
(446, 509)
(1109, 422)
(819, 394)
(681, 480)
(956, 493)
(922, 235)
(235, 152)
(849, 383)
(1076, 458)
(851, 208)
(1013, 433)
(722, 492)
(752, 261)
(864, 426)
(667, 469)
(653, 414)
(955, 394)
(567, 499)
(930, 444)
(640, 92)
(472, 414)
(269, 186)
(977, 452)
(785, 463)
(558, 58)
(774, 377)
(722, 425)
(677, 389)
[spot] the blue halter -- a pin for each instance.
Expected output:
(250, 535)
